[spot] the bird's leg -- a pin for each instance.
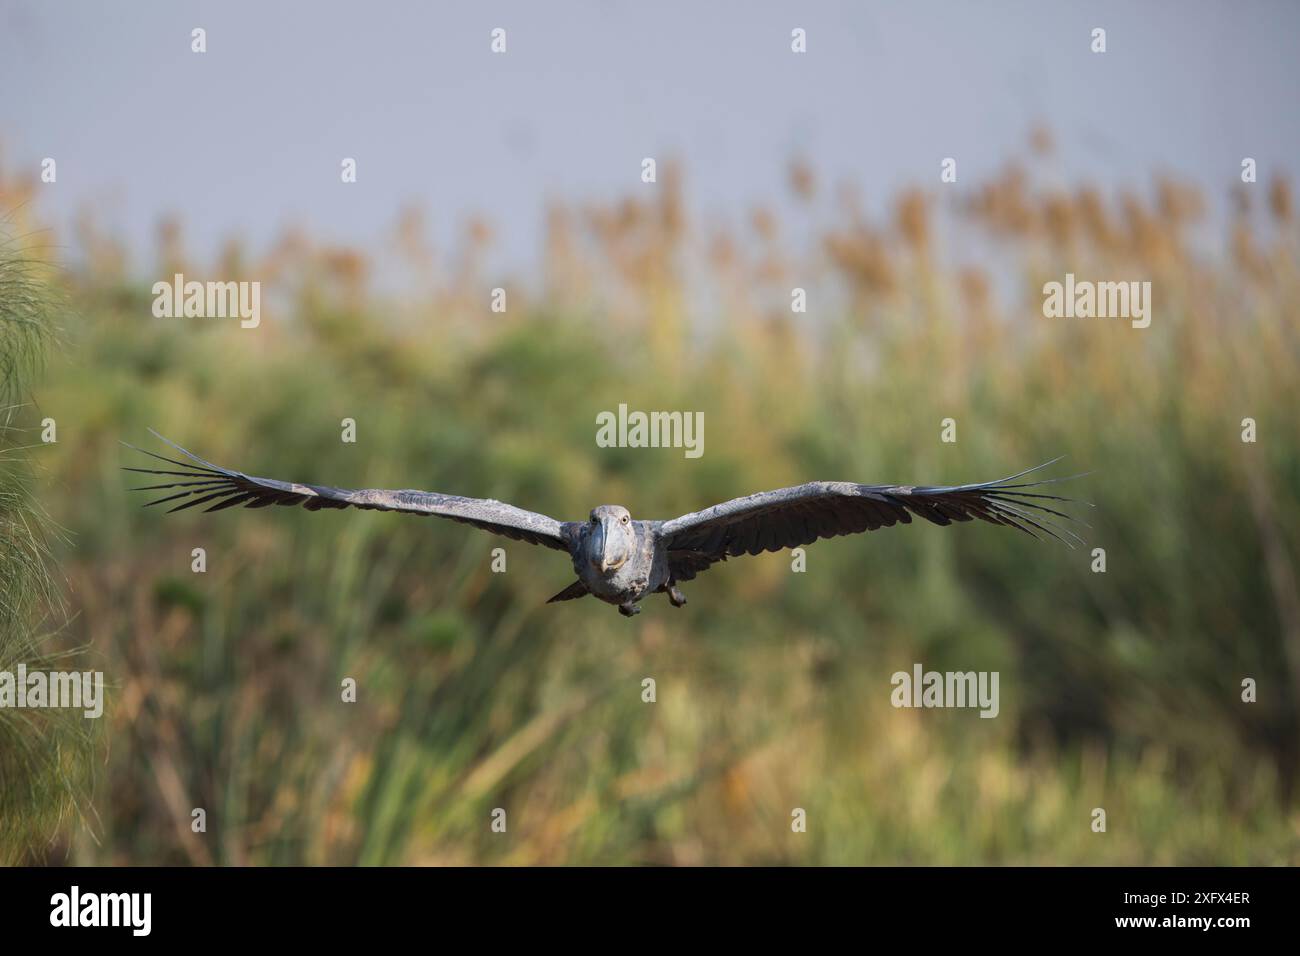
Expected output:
(629, 609)
(675, 597)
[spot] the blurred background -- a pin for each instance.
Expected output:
(1119, 690)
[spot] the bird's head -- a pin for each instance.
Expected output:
(610, 538)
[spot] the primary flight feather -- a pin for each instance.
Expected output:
(620, 560)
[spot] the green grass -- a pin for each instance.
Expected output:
(45, 755)
(1119, 690)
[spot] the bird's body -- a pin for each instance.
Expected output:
(617, 571)
(621, 561)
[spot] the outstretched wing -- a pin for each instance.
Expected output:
(789, 517)
(202, 482)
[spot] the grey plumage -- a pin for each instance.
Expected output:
(620, 560)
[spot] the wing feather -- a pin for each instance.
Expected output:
(220, 488)
(790, 517)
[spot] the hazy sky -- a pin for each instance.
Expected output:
(249, 136)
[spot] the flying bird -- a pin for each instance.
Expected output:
(621, 560)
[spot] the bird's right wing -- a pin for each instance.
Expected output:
(205, 483)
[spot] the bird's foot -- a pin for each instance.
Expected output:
(629, 610)
(676, 598)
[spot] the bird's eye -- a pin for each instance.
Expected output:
(625, 519)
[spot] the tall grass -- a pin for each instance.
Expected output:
(44, 754)
(1120, 690)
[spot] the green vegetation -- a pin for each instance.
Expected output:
(1119, 690)
(44, 754)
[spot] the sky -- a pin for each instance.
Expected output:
(248, 137)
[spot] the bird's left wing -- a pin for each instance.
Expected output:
(202, 482)
(789, 517)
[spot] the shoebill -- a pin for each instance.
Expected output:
(621, 560)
